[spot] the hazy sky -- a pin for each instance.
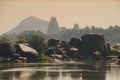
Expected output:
(68, 12)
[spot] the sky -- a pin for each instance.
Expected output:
(68, 12)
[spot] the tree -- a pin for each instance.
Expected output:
(37, 42)
(4, 39)
(20, 39)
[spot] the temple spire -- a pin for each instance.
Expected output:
(53, 27)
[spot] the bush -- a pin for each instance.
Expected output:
(44, 58)
(37, 42)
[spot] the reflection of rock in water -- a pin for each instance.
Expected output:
(9, 75)
(76, 75)
(39, 75)
(64, 73)
(26, 74)
(92, 71)
(97, 71)
(18, 75)
(93, 75)
(53, 75)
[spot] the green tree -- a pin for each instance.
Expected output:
(4, 39)
(20, 39)
(37, 42)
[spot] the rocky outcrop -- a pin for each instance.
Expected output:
(25, 51)
(7, 49)
(89, 46)
(94, 42)
(17, 52)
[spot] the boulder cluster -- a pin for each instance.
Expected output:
(17, 53)
(89, 46)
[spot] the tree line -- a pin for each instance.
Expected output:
(112, 34)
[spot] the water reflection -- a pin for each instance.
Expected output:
(93, 75)
(78, 71)
(76, 75)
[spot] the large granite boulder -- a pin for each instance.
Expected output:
(26, 51)
(94, 42)
(7, 49)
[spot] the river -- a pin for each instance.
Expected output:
(83, 70)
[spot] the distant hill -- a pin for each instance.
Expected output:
(31, 23)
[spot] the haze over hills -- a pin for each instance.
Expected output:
(30, 23)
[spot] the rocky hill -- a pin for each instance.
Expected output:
(30, 23)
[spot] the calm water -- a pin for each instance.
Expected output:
(84, 70)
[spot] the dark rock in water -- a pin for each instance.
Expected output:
(7, 49)
(94, 42)
(26, 51)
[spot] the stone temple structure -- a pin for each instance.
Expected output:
(53, 27)
(76, 27)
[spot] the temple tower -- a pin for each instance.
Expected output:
(53, 27)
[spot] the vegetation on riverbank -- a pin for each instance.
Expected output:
(38, 41)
